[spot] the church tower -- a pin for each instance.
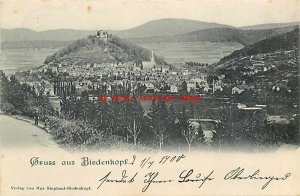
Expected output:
(152, 57)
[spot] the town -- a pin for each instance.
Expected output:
(260, 86)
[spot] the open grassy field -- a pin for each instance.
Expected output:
(204, 52)
(12, 60)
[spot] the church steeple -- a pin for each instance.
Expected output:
(152, 57)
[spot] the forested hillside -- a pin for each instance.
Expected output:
(92, 50)
(286, 41)
(245, 37)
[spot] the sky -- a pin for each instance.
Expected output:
(125, 14)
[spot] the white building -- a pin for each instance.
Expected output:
(236, 90)
(190, 86)
(148, 84)
(173, 89)
(165, 69)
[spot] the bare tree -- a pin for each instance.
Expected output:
(191, 133)
(161, 134)
(134, 132)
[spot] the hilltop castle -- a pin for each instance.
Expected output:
(103, 35)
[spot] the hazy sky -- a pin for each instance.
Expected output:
(124, 14)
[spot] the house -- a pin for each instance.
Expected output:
(165, 69)
(119, 83)
(197, 80)
(55, 103)
(173, 89)
(151, 90)
(49, 89)
(236, 90)
(54, 69)
(108, 88)
(261, 106)
(190, 86)
(251, 109)
(217, 86)
(137, 73)
(277, 120)
(115, 73)
(276, 88)
(241, 106)
(78, 87)
(93, 98)
(148, 84)
(206, 89)
(136, 68)
(185, 73)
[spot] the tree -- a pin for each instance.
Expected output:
(103, 120)
(175, 138)
(159, 115)
(134, 132)
(183, 119)
(251, 128)
(191, 133)
(17, 98)
(135, 119)
(240, 127)
(224, 129)
(212, 78)
(184, 88)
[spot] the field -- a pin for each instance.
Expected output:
(13, 60)
(203, 52)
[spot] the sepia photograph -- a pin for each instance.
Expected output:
(137, 90)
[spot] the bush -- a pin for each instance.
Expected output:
(80, 134)
(8, 108)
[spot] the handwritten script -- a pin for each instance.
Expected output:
(190, 175)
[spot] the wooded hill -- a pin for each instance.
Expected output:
(245, 37)
(285, 41)
(92, 50)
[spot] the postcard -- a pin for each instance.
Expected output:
(149, 97)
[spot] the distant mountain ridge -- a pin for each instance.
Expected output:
(244, 37)
(24, 34)
(163, 30)
(160, 27)
(165, 27)
(270, 26)
(153, 28)
(34, 44)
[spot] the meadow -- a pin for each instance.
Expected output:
(203, 52)
(13, 60)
